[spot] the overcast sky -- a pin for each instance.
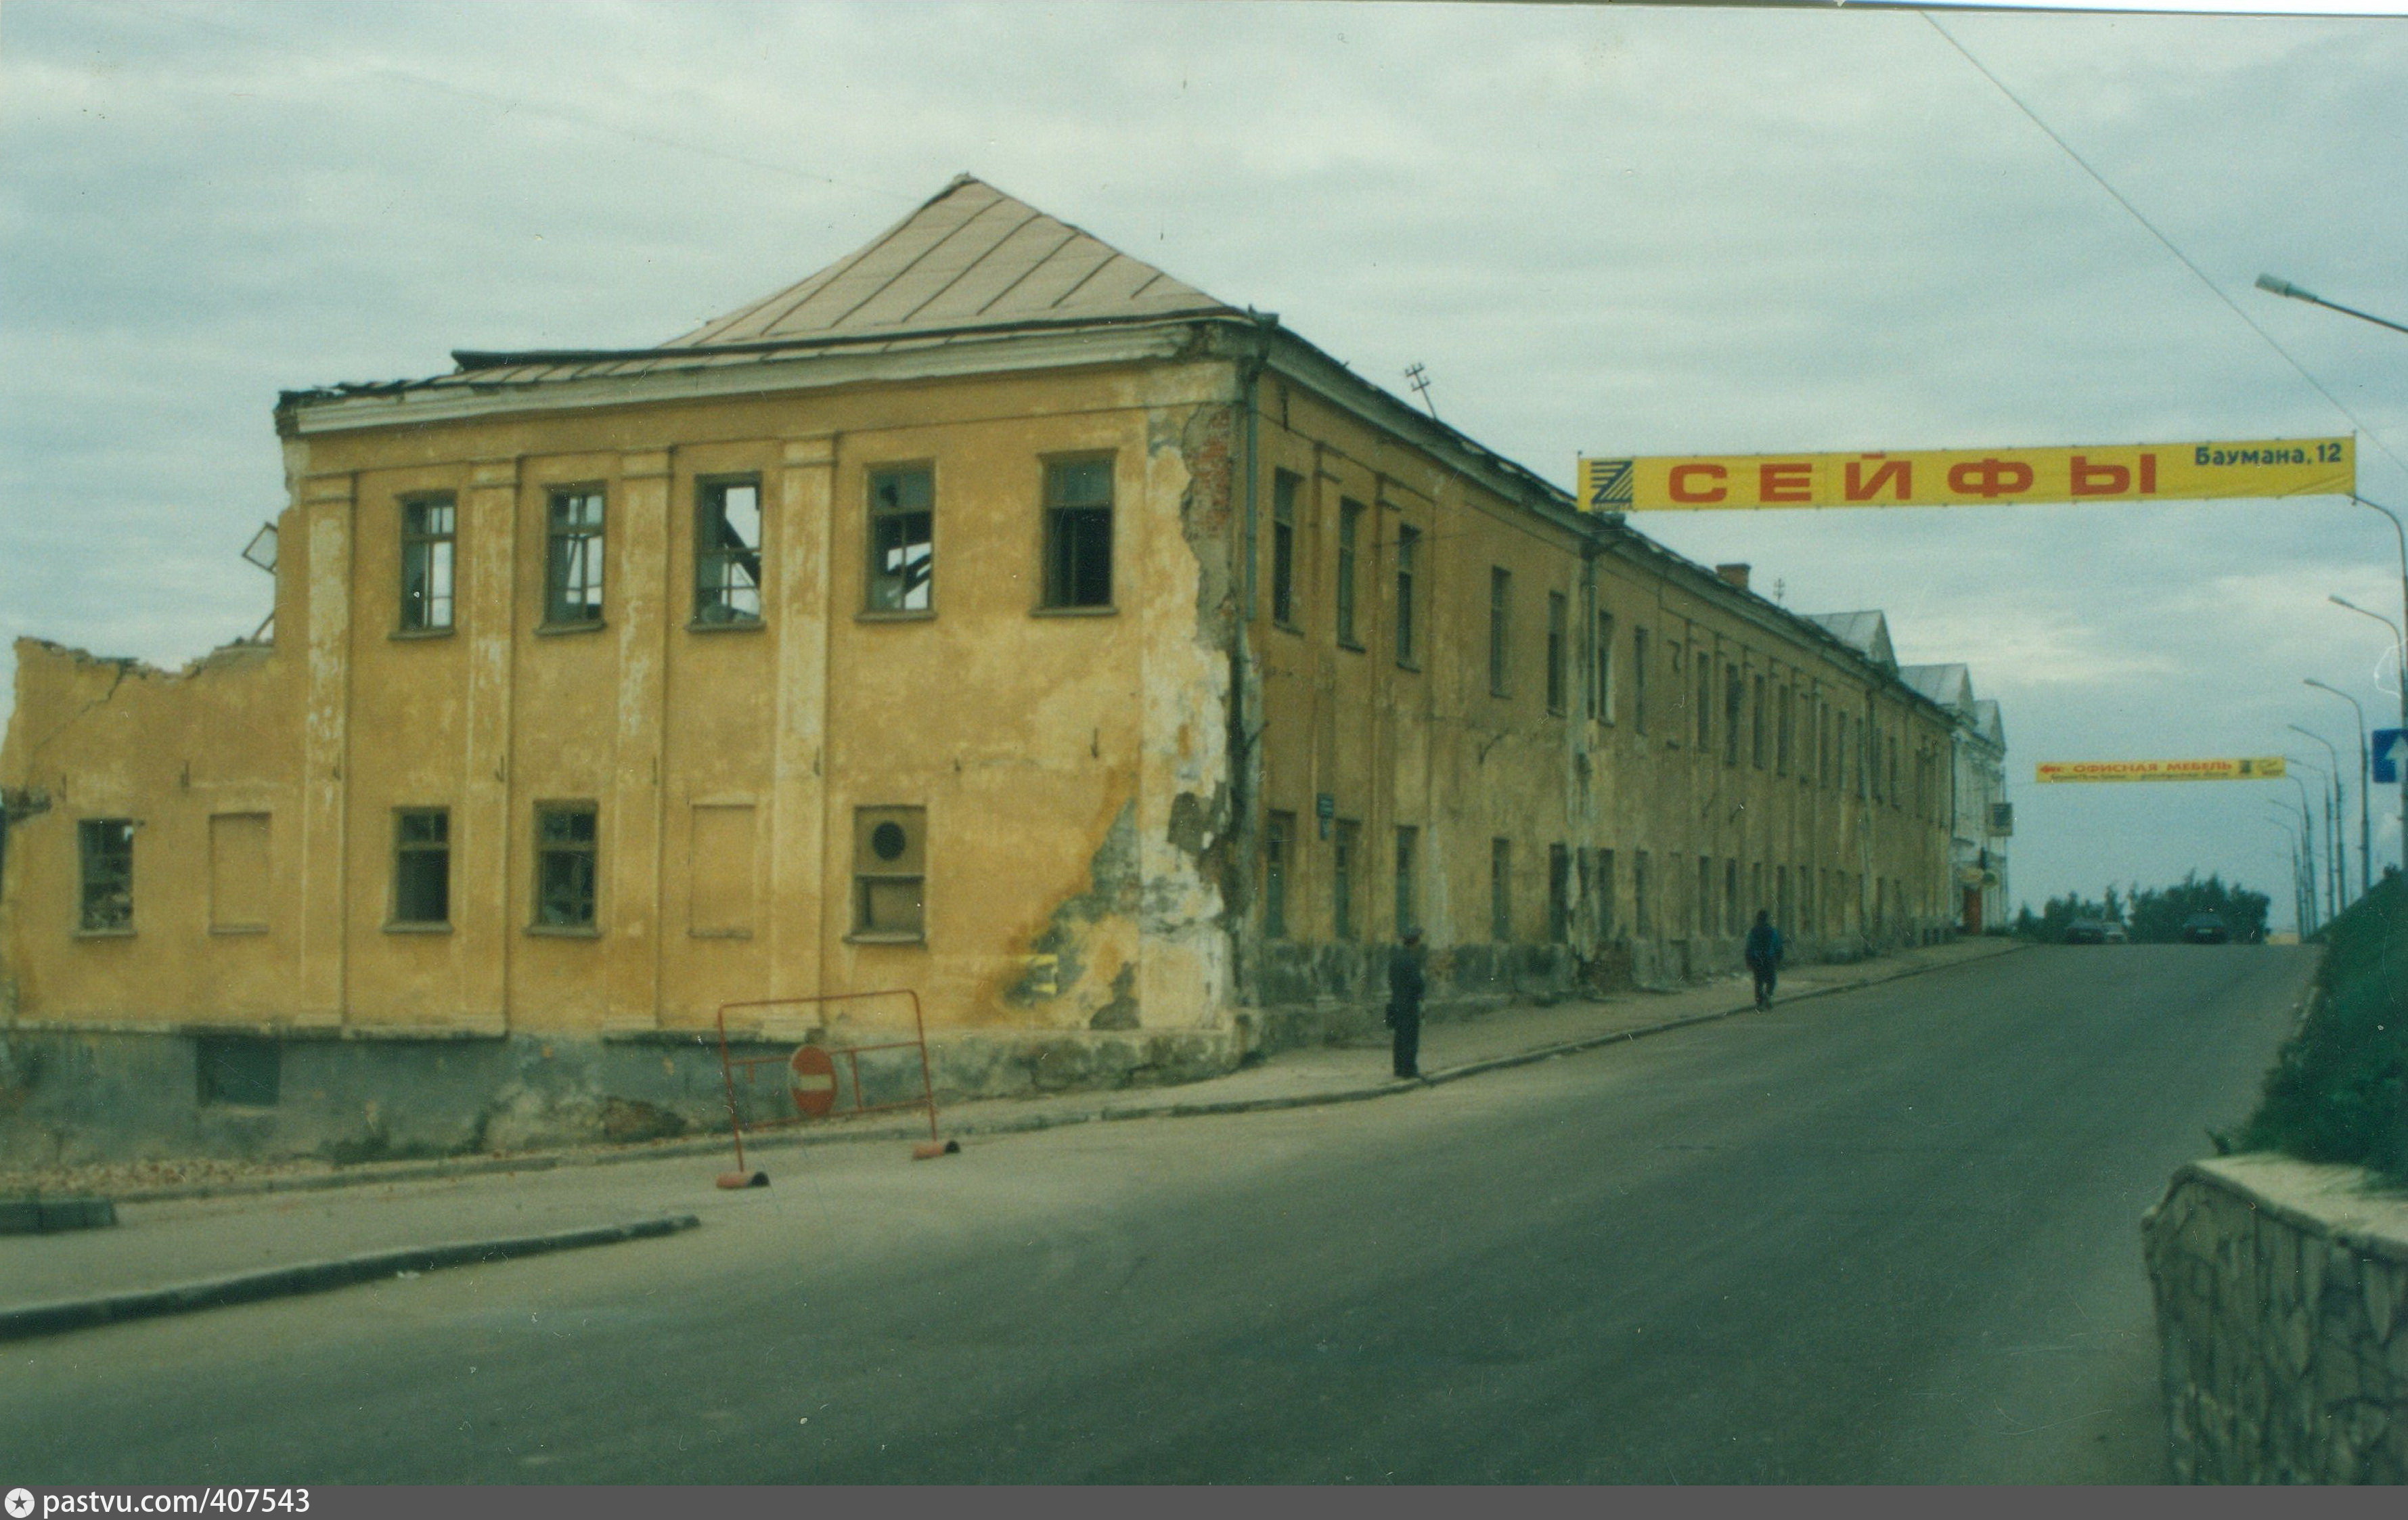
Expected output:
(1612, 231)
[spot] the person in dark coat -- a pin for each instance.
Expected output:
(1764, 956)
(1405, 984)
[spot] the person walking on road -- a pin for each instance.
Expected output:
(1764, 956)
(1405, 984)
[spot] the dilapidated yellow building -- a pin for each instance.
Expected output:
(990, 615)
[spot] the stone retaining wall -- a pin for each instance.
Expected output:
(2281, 1295)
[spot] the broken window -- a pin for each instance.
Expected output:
(1501, 631)
(1408, 544)
(564, 837)
(1279, 835)
(572, 585)
(107, 848)
(727, 551)
(1558, 633)
(421, 867)
(1757, 725)
(1079, 532)
(1408, 908)
(902, 539)
(1342, 879)
(890, 865)
(1349, 529)
(1560, 893)
(428, 526)
(1283, 492)
(1500, 890)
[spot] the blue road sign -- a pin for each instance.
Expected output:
(2391, 753)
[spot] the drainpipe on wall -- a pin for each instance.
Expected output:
(1243, 756)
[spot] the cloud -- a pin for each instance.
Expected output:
(1600, 228)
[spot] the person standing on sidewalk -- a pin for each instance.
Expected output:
(1406, 980)
(1764, 956)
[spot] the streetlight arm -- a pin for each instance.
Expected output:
(2276, 285)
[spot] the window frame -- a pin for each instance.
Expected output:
(1600, 685)
(1500, 632)
(1351, 514)
(1278, 857)
(909, 864)
(95, 917)
(405, 849)
(1346, 852)
(1558, 647)
(873, 518)
(1500, 890)
(1408, 543)
(708, 506)
(1560, 893)
(1286, 486)
(444, 546)
(1639, 679)
(1406, 860)
(589, 849)
(1054, 596)
(593, 552)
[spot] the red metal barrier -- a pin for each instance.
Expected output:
(811, 1074)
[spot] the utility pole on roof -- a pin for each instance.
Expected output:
(1418, 379)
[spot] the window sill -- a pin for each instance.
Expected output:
(726, 625)
(1414, 665)
(564, 931)
(104, 934)
(1296, 629)
(895, 615)
(411, 634)
(719, 934)
(417, 928)
(1351, 644)
(1106, 611)
(866, 937)
(549, 629)
(238, 929)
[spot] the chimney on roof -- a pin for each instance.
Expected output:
(1735, 574)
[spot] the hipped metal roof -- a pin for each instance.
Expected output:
(970, 262)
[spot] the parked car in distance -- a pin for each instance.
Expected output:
(2115, 934)
(2085, 931)
(2204, 930)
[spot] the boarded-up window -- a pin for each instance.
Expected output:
(238, 871)
(720, 871)
(890, 854)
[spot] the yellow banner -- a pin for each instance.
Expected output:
(2262, 767)
(1972, 477)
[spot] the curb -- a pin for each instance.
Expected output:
(436, 1170)
(313, 1276)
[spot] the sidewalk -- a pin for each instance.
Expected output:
(297, 1230)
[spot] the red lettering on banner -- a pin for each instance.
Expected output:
(1786, 482)
(2091, 479)
(2148, 473)
(1897, 474)
(1678, 485)
(1991, 477)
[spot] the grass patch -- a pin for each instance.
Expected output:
(2339, 1088)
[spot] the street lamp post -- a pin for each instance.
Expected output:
(2307, 843)
(2336, 850)
(2365, 787)
(2291, 838)
(2400, 645)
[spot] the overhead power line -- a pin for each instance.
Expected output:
(2187, 261)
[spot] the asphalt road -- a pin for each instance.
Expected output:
(1888, 1236)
